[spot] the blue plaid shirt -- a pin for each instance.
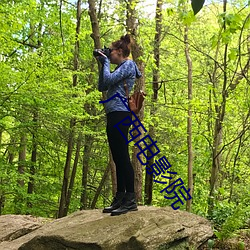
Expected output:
(114, 82)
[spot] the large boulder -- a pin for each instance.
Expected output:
(148, 228)
(15, 226)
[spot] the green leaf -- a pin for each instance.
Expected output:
(218, 235)
(226, 36)
(214, 40)
(233, 54)
(222, 190)
(170, 11)
(187, 17)
(197, 5)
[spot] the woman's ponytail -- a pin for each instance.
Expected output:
(126, 39)
(124, 44)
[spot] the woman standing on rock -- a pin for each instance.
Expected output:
(126, 70)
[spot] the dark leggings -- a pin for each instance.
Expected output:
(119, 149)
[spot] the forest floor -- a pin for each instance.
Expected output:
(232, 244)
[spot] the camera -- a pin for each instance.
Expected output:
(106, 51)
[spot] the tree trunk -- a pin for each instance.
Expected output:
(245, 122)
(220, 110)
(2, 201)
(98, 191)
(97, 44)
(73, 174)
(2, 197)
(137, 53)
(19, 199)
(1, 135)
(217, 142)
(237, 155)
(35, 112)
(113, 173)
(11, 152)
(66, 170)
(94, 24)
(1, 179)
(33, 157)
(189, 120)
(85, 170)
(21, 159)
(64, 191)
(157, 43)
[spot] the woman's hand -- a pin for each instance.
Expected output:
(101, 58)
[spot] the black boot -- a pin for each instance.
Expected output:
(128, 204)
(117, 200)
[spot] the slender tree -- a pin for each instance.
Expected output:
(94, 18)
(157, 43)
(137, 52)
(220, 108)
(66, 178)
(189, 119)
